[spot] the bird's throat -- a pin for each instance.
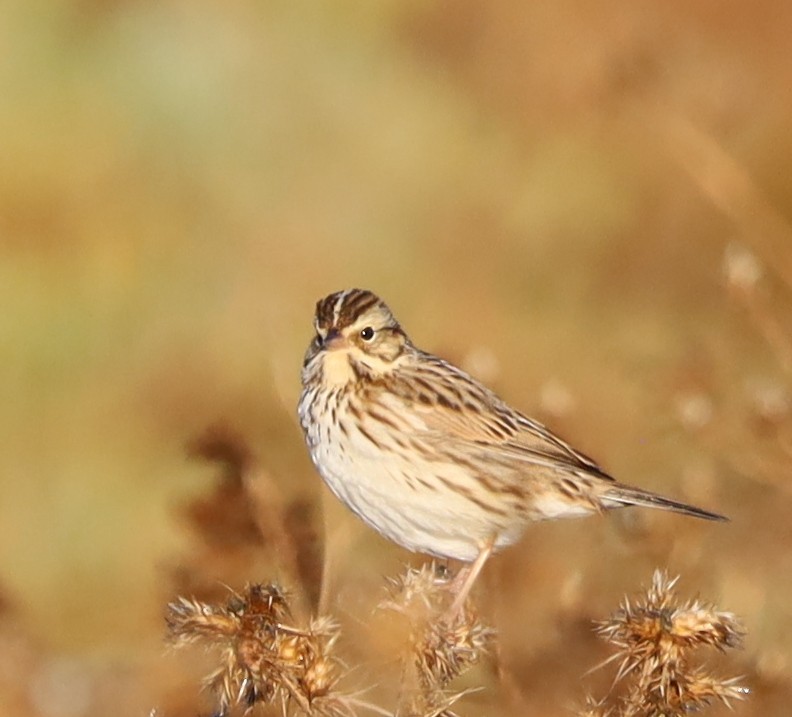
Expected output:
(340, 368)
(336, 369)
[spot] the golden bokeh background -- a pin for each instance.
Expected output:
(587, 204)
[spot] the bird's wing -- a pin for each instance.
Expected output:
(457, 413)
(512, 436)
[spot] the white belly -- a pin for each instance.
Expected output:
(402, 498)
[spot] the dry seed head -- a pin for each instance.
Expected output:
(319, 678)
(443, 645)
(426, 588)
(700, 624)
(262, 658)
(191, 620)
(291, 650)
(658, 618)
(268, 601)
(655, 636)
(447, 647)
(704, 688)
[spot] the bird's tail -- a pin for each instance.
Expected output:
(626, 495)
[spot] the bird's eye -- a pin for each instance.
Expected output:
(367, 334)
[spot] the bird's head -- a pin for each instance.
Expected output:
(356, 336)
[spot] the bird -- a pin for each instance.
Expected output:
(427, 455)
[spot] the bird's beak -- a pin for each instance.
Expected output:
(335, 340)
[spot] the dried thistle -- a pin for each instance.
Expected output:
(263, 659)
(655, 636)
(442, 645)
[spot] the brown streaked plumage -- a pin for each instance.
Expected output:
(426, 454)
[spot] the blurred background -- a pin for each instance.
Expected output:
(585, 203)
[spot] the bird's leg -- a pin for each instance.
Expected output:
(470, 574)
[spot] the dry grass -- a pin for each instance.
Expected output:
(263, 658)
